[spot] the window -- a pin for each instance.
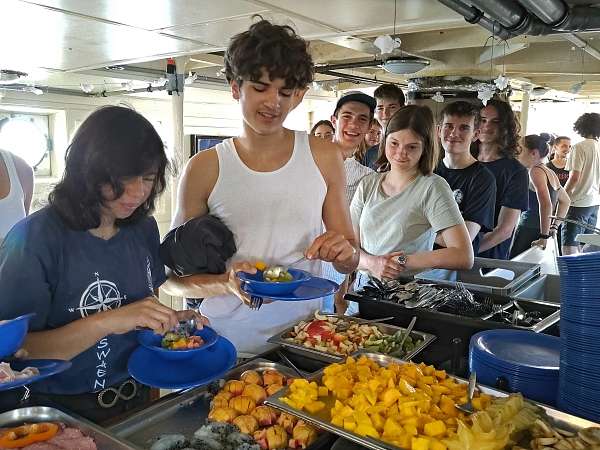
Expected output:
(26, 135)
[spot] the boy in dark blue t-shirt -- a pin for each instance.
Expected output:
(473, 185)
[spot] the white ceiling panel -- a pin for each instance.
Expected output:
(154, 14)
(39, 37)
(372, 15)
(219, 33)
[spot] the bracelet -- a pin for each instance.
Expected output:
(544, 236)
(554, 227)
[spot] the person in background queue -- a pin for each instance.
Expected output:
(561, 148)
(16, 190)
(498, 147)
(88, 265)
(397, 213)
(390, 99)
(473, 186)
(274, 189)
(351, 117)
(535, 226)
(372, 139)
(323, 129)
(583, 185)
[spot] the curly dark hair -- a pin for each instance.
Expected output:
(418, 119)
(588, 125)
(111, 144)
(275, 48)
(508, 130)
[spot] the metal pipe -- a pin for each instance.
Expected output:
(580, 18)
(548, 11)
(349, 77)
(475, 16)
(350, 65)
(508, 12)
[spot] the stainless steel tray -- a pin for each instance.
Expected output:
(184, 413)
(559, 418)
(482, 278)
(550, 310)
(104, 440)
(281, 339)
(545, 288)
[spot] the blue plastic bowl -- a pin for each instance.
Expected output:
(266, 288)
(151, 341)
(12, 334)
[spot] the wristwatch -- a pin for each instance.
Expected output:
(401, 259)
(544, 236)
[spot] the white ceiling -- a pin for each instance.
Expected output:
(71, 38)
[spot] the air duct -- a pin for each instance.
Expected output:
(514, 18)
(475, 16)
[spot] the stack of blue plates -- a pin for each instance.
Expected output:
(579, 384)
(517, 361)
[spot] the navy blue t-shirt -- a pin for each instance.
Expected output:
(64, 275)
(371, 157)
(512, 184)
(474, 189)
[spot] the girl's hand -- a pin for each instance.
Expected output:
(540, 243)
(386, 266)
(188, 314)
(146, 313)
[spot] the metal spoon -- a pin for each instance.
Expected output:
(345, 325)
(275, 271)
(189, 326)
(286, 360)
(468, 407)
(408, 330)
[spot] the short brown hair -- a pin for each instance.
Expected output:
(389, 92)
(418, 119)
(275, 48)
(461, 108)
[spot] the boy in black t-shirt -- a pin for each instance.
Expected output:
(474, 186)
(497, 148)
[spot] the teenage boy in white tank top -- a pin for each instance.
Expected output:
(273, 187)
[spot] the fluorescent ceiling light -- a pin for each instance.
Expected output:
(404, 64)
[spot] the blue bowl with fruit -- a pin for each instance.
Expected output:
(175, 345)
(12, 334)
(284, 283)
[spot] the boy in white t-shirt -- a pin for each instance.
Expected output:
(583, 185)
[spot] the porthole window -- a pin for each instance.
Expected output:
(26, 135)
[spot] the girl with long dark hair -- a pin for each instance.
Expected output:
(88, 264)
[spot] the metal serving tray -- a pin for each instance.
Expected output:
(550, 313)
(545, 288)
(559, 418)
(281, 339)
(486, 275)
(187, 411)
(104, 440)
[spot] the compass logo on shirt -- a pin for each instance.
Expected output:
(458, 196)
(101, 295)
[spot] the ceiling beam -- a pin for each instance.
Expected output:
(500, 51)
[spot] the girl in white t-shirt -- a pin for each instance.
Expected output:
(398, 213)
